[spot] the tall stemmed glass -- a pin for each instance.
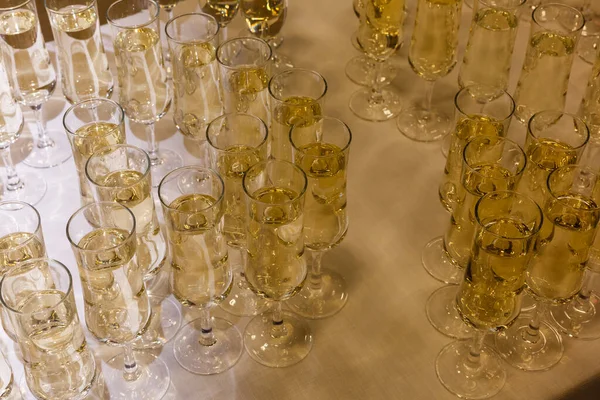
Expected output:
(323, 156)
(144, 92)
(223, 11)
(489, 298)
(276, 268)
(25, 186)
(192, 202)
(236, 142)
(117, 308)
(555, 274)
(32, 77)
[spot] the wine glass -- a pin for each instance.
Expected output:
(192, 202)
(323, 156)
(432, 55)
(223, 11)
(275, 267)
(237, 141)
(84, 72)
(167, 6)
(489, 298)
(144, 92)
(32, 77)
(25, 186)
(117, 309)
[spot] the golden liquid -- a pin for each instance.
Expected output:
(26, 59)
(491, 43)
(545, 76)
(83, 63)
(197, 92)
(303, 112)
(117, 307)
(245, 90)
(380, 34)
(275, 268)
(200, 274)
(144, 92)
(325, 215)
(264, 18)
(87, 140)
(222, 10)
(18, 247)
(489, 297)
(432, 53)
(58, 362)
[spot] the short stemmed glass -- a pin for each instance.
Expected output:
(555, 273)
(275, 267)
(489, 297)
(236, 142)
(32, 77)
(144, 92)
(323, 156)
(192, 202)
(117, 308)
(223, 11)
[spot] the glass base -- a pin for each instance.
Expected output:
(50, 156)
(519, 353)
(465, 381)
(443, 315)
(287, 349)
(527, 302)
(152, 383)
(164, 323)
(208, 359)
(564, 319)
(242, 301)
(167, 161)
(382, 109)
(361, 70)
(423, 125)
(438, 264)
(32, 189)
(324, 302)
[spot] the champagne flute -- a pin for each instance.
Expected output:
(432, 55)
(223, 11)
(167, 6)
(144, 92)
(276, 268)
(117, 308)
(323, 156)
(32, 77)
(192, 201)
(237, 141)
(489, 298)
(25, 186)
(84, 72)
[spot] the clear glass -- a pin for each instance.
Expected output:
(297, 97)
(555, 273)
(432, 55)
(201, 276)
(192, 44)
(144, 92)
(117, 308)
(32, 77)
(84, 72)
(167, 6)
(589, 109)
(223, 11)
(555, 30)
(275, 267)
(92, 125)
(323, 156)
(489, 298)
(8, 389)
(38, 297)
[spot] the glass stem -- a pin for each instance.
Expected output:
(131, 370)
(315, 275)
(43, 138)
(473, 360)
(376, 92)
(531, 335)
(169, 11)
(278, 330)
(581, 309)
(429, 86)
(222, 33)
(207, 337)
(152, 145)
(13, 182)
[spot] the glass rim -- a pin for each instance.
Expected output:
(253, 39)
(514, 194)
(224, 116)
(500, 139)
(264, 163)
(559, 5)
(518, 3)
(502, 92)
(566, 168)
(189, 168)
(38, 226)
(153, 18)
(131, 232)
(79, 104)
(321, 118)
(536, 137)
(24, 2)
(304, 70)
(111, 148)
(22, 267)
(59, 12)
(178, 41)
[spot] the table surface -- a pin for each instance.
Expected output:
(380, 346)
